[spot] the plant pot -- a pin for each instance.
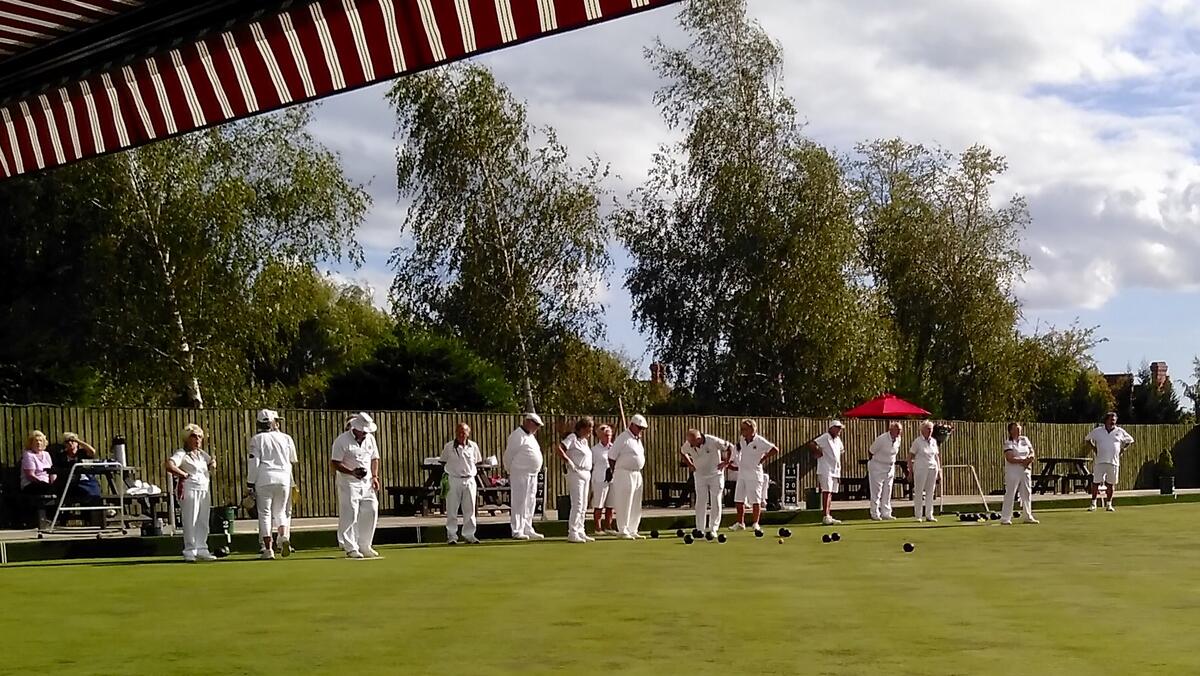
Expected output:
(1166, 485)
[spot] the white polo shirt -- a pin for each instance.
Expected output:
(751, 453)
(1021, 447)
(628, 453)
(270, 459)
(196, 466)
(460, 460)
(1109, 444)
(522, 452)
(884, 449)
(600, 460)
(579, 452)
(925, 452)
(352, 454)
(830, 462)
(707, 456)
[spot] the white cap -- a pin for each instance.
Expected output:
(534, 417)
(363, 423)
(639, 420)
(836, 423)
(266, 415)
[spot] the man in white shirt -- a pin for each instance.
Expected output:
(881, 471)
(576, 453)
(460, 459)
(355, 458)
(523, 459)
(625, 463)
(1109, 441)
(707, 456)
(828, 448)
(602, 504)
(752, 452)
(269, 473)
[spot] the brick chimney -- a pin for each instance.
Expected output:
(658, 373)
(1158, 373)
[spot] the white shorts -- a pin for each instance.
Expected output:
(601, 495)
(1104, 473)
(827, 483)
(748, 490)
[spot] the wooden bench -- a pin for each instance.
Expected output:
(1046, 482)
(852, 488)
(411, 500)
(674, 493)
(494, 498)
(1072, 483)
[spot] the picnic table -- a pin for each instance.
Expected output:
(427, 499)
(1066, 475)
(674, 493)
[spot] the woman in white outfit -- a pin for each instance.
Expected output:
(602, 504)
(1018, 457)
(193, 467)
(576, 454)
(925, 467)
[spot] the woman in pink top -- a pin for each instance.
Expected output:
(36, 478)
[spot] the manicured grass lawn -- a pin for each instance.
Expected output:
(1080, 594)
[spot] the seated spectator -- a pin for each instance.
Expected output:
(73, 450)
(37, 476)
(85, 488)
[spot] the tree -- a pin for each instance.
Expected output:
(421, 371)
(507, 239)
(1192, 391)
(191, 222)
(742, 238)
(1155, 403)
(589, 379)
(1064, 384)
(944, 259)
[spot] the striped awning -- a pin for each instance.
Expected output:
(200, 76)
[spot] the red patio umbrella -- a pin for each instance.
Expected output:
(885, 406)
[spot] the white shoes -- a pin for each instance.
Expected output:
(588, 538)
(189, 558)
(1110, 508)
(1006, 522)
(472, 541)
(267, 555)
(889, 517)
(611, 531)
(285, 547)
(1092, 507)
(534, 535)
(452, 542)
(354, 554)
(920, 519)
(877, 518)
(626, 536)
(205, 556)
(572, 538)
(932, 519)
(520, 536)
(830, 521)
(738, 526)
(757, 528)
(1030, 519)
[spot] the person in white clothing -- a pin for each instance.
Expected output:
(752, 452)
(269, 474)
(828, 448)
(460, 460)
(925, 467)
(192, 466)
(355, 458)
(1018, 477)
(881, 471)
(1109, 441)
(576, 453)
(707, 456)
(523, 459)
(602, 504)
(625, 463)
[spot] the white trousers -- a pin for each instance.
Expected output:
(523, 501)
(284, 524)
(627, 500)
(460, 498)
(578, 484)
(358, 512)
(924, 486)
(881, 477)
(1017, 479)
(272, 502)
(708, 502)
(195, 509)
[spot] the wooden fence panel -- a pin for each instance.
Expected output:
(405, 438)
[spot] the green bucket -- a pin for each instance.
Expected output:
(221, 518)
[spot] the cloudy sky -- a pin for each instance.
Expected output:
(1095, 105)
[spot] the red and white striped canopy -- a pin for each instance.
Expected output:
(306, 50)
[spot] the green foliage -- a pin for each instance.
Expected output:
(1064, 384)
(945, 260)
(742, 237)
(421, 371)
(507, 239)
(584, 378)
(1154, 404)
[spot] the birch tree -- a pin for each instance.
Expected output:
(507, 241)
